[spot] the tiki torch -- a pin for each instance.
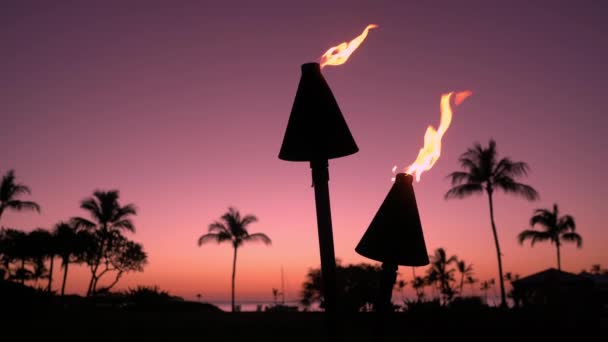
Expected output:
(395, 237)
(317, 132)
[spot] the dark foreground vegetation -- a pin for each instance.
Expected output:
(150, 314)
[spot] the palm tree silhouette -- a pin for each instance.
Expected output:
(484, 172)
(556, 230)
(109, 219)
(233, 228)
(70, 246)
(465, 270)
(38, 247)
(471, 281)
(440, 274)
(485, 287)
(9, 191)
(418, 283)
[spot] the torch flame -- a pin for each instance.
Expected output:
(428, 155)
(339, 54)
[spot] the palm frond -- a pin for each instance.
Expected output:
(507, 167)
(470, 164)
(508, 185)
(214, 237)
(125, 224)
(248, 219)
(543, 218)
(23, 205)
(82, 223)
(217, 227)
(124, 211)
(91, 205)
(258, 237)
(573, 237)
(464, 190)
(566, 223)
(459, 177)
(534, 236)
(20, 189)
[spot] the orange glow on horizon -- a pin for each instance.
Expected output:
(339, 54)
(431, 151)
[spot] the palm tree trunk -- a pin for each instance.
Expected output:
(65, 277)
(559, 262)
(233, 277)
(503, 297)
(48, 289)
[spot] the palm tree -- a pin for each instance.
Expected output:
(471, 281)
(556, 230)
(71, 246)
(440, 274)
(482, 171)
(233, 228)
(38, 248)
(485, 287)
(465, 270)
(418, 283)
(9, 191)
(109, 218)
(15, 250)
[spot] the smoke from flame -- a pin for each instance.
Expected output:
(430, 152)
(339, 54)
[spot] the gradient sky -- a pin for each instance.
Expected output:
(183, 109)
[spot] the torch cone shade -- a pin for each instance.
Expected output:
(316, 129)
(395, 234)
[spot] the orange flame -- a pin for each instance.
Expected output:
(339, 54)
(429, 154)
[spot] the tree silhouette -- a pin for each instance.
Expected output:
(471, 281)
(514, 294)
(485, 287)
(39, 248)
(482, 171)
(108, 218)
(70, 246)
(233, 228)
(556, 230)
(465, 271)
(596, 269)
(358, 285)
(439, 273)
(13, 249)
(121, 256)
(418, 284)
(9, 191)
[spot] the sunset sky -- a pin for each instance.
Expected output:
(183, 107)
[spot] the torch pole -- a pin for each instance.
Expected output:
(388, 277)
(320, 178)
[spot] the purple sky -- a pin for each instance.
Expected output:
(183, 108)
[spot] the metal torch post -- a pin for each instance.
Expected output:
(320, 178)
(384, 305)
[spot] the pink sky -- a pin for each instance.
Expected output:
(183, 109)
